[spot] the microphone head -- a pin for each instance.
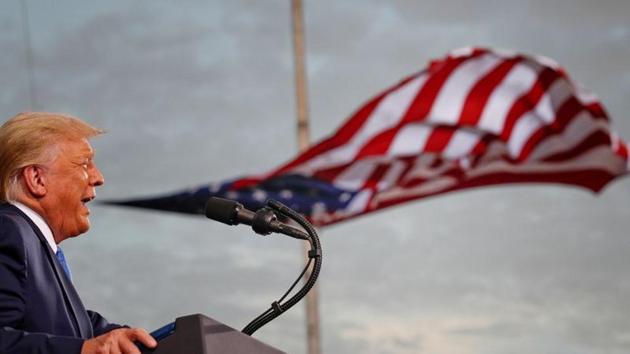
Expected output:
(223, 210)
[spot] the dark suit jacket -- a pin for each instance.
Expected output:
(40, 311)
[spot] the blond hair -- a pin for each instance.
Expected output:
(31, 138)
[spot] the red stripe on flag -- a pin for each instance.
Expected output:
(592, 179)
(422, 103)
(330, 174)
(597, 110)
(439, 138)
(375, 177)
(379, 144)
(480, 93)
(622, 150)
(565, 114)
(528, 101)
(597, 138)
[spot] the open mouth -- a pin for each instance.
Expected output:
(87, 199)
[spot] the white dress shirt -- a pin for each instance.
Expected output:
(40, 223)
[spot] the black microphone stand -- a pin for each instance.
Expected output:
(199, 334)
(314, 257)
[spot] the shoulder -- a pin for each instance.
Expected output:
(10, 210)
(11, 219)
(13, 226)
(13, 250)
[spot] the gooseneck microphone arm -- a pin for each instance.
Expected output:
(314, 256)
(265, 221)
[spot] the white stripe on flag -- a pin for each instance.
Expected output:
(433, 186)
(423, 168)
(585, 96)
(524, 128)
(451, 98)
(614, 141)
(355, 175)
(461, 52)
(556, 96)
(546, 61)
(461, 144)
(391, 177)
(359, 203)
(514, 85)
(599, 157)
(544, 110)
(580, 128)
(543, 114)
(410, 140)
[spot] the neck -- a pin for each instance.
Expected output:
(36, 206)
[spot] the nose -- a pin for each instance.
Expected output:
(96, 177)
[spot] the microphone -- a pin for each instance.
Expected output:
(263, 222)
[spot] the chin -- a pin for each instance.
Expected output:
(83, 227)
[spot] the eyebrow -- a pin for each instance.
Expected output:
(88, 153)
(82, 156)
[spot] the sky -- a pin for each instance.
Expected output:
(200, 91)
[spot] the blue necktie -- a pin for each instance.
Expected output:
(62, 260)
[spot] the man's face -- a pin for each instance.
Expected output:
(70, 183)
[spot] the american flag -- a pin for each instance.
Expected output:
(473, 118)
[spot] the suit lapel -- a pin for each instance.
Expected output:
(72, 299)
(70, 295)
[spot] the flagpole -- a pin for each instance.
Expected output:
(28, 55)
(300, 76)
(312, 298)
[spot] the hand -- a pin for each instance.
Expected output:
(119, 341)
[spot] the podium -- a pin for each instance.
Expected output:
(199, 334)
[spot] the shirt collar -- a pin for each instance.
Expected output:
(40, 223)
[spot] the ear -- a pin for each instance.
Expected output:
(34, 180)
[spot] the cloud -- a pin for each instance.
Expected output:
(197, 76)
(198, 92)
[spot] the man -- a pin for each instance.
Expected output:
(47, 176)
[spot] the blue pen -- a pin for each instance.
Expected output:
(163, 332)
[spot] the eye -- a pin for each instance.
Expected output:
(85, 164)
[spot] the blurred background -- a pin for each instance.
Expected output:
(199, 91)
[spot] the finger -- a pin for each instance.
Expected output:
(128, 347)
(114, 349)
(143, 337)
